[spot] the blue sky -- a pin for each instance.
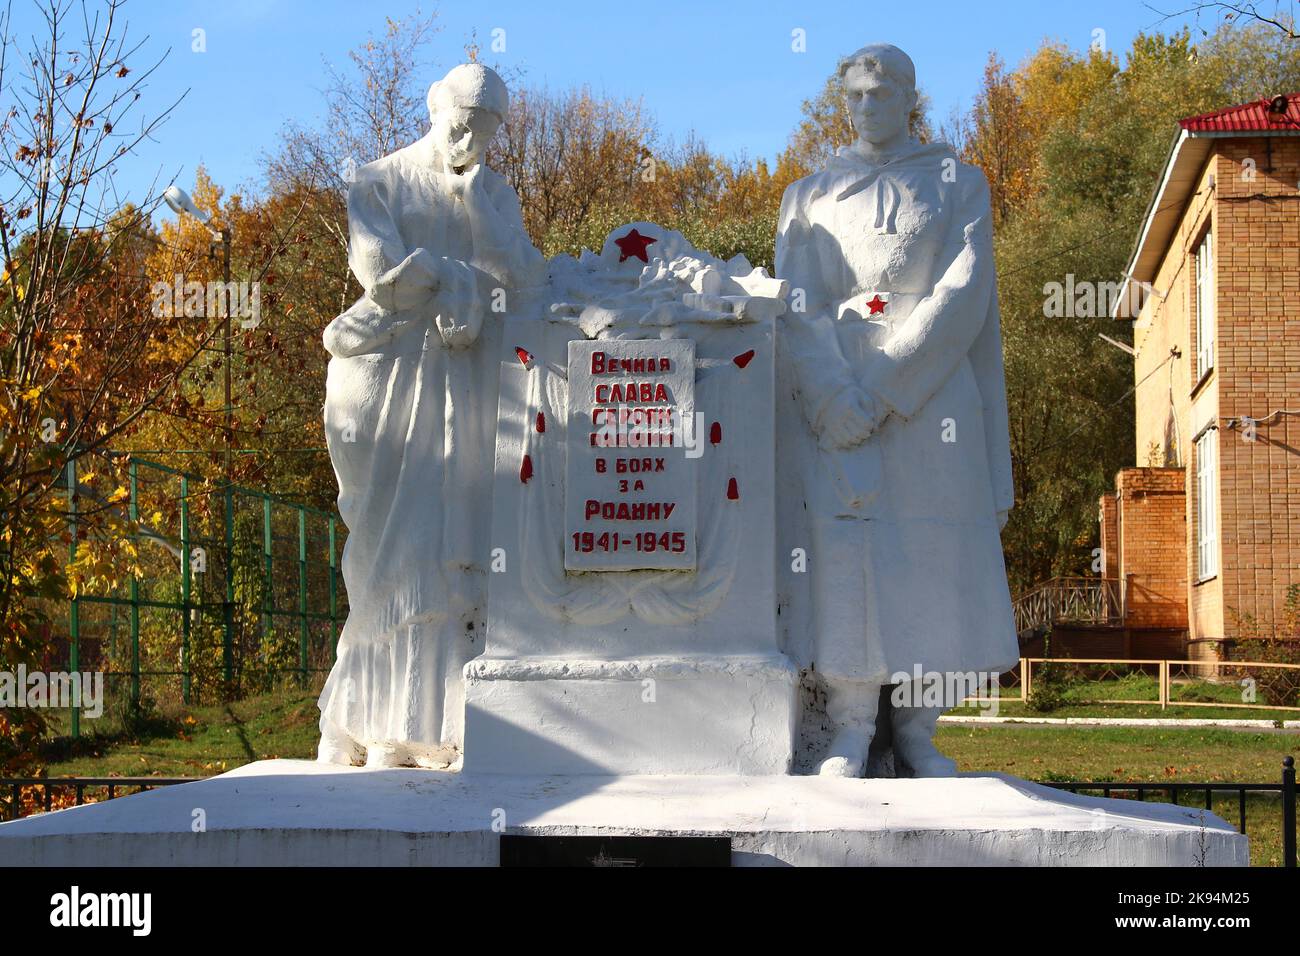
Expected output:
(724, 70)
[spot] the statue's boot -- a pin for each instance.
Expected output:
(851, 706)
(388, 755)
(337, 747)
(914, 742)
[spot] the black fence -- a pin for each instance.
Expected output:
(45, 786)
(1285, 788)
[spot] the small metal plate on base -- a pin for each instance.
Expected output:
(519, 850)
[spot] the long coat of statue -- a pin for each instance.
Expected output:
(410, 420)
(894, 266)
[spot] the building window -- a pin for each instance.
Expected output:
(1207, 498)
(1205, 306)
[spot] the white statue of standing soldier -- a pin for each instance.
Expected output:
(437, 242)
(896, 354)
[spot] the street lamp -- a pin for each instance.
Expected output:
(181, 204)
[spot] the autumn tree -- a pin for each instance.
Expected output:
(569, 155)
(1277, 15)
(1093, 135)
(275, 357)
(82, 354)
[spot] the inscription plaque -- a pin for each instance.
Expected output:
(630, 483)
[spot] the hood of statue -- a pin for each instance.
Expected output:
(646, 279)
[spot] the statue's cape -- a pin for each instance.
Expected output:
(848, 160)
(849, 172)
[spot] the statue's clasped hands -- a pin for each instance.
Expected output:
(848, 419)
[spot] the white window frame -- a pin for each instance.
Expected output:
(1205, 317)
(1207, 501)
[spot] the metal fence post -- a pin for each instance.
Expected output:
(134, 513)
(228, 608)
(185, 589)
(334, 593)
(74, 606)
(303, 632)
(268, 583)
(1288, 812)
(191, 605)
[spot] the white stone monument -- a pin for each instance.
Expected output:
(565, 513)
(435, 239)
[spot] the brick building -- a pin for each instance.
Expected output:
(1202, 539)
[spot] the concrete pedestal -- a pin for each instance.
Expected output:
(652, 648)
(667, 716)
(287, 812)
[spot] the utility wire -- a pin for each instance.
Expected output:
(1174, 353)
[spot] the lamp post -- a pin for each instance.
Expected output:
(181, 204)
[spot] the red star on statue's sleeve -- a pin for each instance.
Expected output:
(633, 244)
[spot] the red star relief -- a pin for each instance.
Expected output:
(633, 244)
(877, 305)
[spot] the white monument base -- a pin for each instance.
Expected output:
(300, 813)
(675, 715)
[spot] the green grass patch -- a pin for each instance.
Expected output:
(1014, 708)
(1139, 754)
(179, 741)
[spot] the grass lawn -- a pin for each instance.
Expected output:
(1105, 754)
(1097, 708)
(193, 741)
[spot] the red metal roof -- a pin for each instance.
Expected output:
(1251, 117)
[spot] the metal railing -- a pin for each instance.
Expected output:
(1070, 601)
(1286, 789)
(237, 584)
(14, 787)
